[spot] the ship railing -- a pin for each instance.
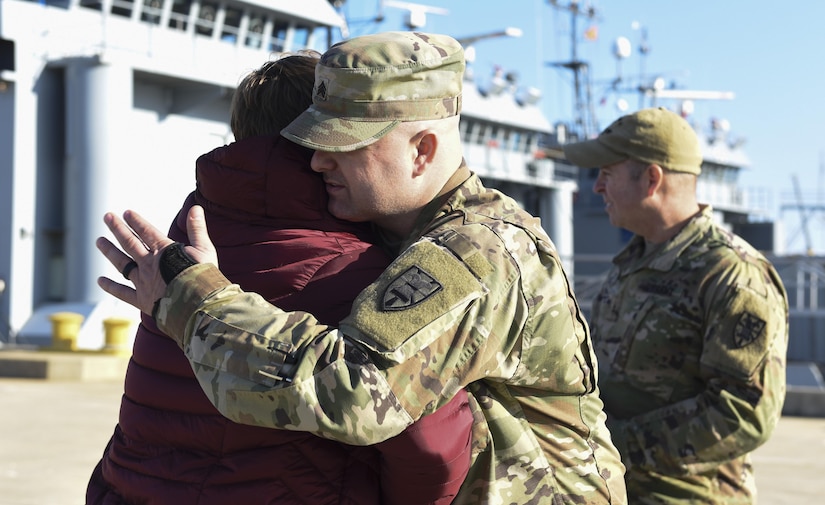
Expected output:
(239, 24)
(518, 166)
(804, 280)
(729, 196)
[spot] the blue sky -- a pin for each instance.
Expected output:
(768, 54)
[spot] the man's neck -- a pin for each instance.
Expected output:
(393, 239)
(455, 180)
(671, 223)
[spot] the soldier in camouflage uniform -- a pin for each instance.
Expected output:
(475, 298)
(691, 324)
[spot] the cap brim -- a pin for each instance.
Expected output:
(591, 154)
(321, 132)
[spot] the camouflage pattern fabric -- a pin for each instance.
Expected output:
(365, 86)
(691, 340)
(478, 299)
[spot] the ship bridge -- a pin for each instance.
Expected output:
(106, 105)
(723, 160)
(194, 39)
(503, 130)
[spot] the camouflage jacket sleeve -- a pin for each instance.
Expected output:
(742, 366)
(255, 380)
(368, 380)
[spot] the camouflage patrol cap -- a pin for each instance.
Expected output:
(366, 86)
(654, 135)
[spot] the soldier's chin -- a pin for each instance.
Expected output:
(344, 214)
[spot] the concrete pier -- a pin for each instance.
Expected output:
(52, 433)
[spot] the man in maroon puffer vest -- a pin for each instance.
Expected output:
(267, 213)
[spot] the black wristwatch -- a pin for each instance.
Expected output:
(174, 260)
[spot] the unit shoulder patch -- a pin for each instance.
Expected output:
(748, 329)
(411, 287)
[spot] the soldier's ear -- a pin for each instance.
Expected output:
(654, 177)
(425, 145)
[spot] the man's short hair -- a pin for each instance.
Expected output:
(271, 96)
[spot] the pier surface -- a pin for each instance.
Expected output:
(52, 433)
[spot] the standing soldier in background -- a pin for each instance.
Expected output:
(691, 324)
(476, 297)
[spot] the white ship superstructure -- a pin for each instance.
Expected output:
(106, 105)
(109, 104)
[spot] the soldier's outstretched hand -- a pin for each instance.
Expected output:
(139, 260)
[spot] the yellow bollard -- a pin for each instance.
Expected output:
(116, 330)
(65, 329)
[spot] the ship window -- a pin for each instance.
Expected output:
(179, 17)
(279, 32)
(151, 11)
(205, 24)
(465, 127)
(525, 141)
(712, 172)
(231, 24)
(300, 37)
(531, 142)
(481, 133)
(6, 54)
(493, 137)
(506, 138)
(255, 31)
(91, 4)
(56, 3)
(121, 7)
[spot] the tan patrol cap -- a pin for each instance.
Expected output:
(366, 86)
(654, 135)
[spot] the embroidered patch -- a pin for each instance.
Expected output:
(409, 289)
(321, 91)
(664, 289)
(748, 329)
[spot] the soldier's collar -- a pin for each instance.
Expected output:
(432, 209)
